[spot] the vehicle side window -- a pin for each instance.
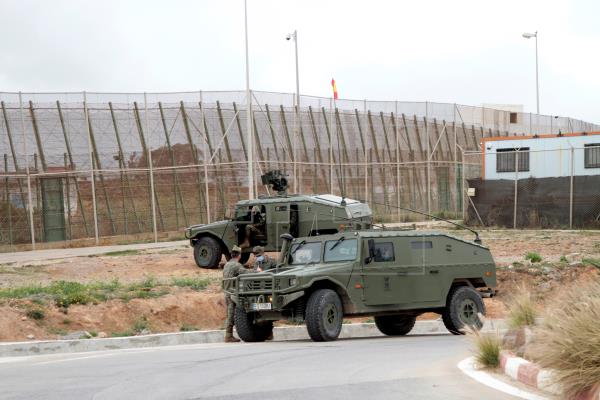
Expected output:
(384, 252)
(421, 244)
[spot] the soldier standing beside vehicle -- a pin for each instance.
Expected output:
(232, 269)
(256, 225)
(263, 262)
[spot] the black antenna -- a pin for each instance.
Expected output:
(477, 239)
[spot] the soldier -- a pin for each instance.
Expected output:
(256, 225)
(232, 269)
(263, 262)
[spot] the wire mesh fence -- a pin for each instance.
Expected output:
(552, 189)
(89, 165)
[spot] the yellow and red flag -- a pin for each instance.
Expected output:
(334, 87)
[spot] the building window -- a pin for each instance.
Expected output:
(592, 155)
(513, 117)
(505, 159)
(384, 252)
(421, 245)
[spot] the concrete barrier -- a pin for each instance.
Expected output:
(30, 348)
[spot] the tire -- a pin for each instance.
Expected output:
(244, 258)
(324, 315)
(207, 252)
(247, 330)
(462, 310)
(395, 325)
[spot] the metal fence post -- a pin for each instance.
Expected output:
(428, 158)
(204, 159)
(516, 191)
(92, 175)
(152, 191)
(571, 189)
(29, 200)
(366, 151)
(395, 116)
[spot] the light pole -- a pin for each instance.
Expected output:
(537, 81)
(249, 112)
(294, 36)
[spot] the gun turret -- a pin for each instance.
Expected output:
(277, 180)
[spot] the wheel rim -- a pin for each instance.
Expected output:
(204, 255)
(330, 317)
(468, 312)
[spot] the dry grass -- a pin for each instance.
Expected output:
(569, 340)
(521, 309)
(487, 346)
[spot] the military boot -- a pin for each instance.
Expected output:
(229, 338)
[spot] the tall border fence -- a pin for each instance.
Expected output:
(86, 166)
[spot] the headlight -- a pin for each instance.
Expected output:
(293, 281)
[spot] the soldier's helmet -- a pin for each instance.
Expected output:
(255, 209)
(258, 250)
(236, 249)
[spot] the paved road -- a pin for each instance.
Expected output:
(412, 367)
(54, 254)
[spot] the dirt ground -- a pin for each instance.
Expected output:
(187, 309)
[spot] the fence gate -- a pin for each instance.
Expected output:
(53, 209)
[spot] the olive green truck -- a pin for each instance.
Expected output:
(393, 276)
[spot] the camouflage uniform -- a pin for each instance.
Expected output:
(266, 263)
(256, 226)
(231, 270)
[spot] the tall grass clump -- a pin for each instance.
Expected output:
(521, 309)
(533, 257)
(487, 348)
(568, 341)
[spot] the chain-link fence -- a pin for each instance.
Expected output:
(85, 166)
(556, 188)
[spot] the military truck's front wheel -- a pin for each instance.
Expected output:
(207, 252)
(395, 325)
(463, 310)
(248, 330)
(324, 315)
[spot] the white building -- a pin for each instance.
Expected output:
(543, 156)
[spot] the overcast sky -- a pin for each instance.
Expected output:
(469, 52)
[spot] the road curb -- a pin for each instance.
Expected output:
(532, 375)
(31, 348)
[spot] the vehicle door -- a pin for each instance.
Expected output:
(380, 272)
(422, 276)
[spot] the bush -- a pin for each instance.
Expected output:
(569, 340)
(521, 310)
(197, 284)
(35, 314)
(487, 348)
(533, 257)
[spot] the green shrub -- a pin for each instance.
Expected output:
(187, 328)
(563, 259)
(197, 284)
(521, 310)
(533, 257)
(568, 341)
(592, 261)
(487, 348)
(122, 253)
(36, 314)
(141, 324)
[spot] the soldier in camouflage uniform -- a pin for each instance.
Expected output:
(263, 262)
(232, 269)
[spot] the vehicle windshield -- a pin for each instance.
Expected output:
(340, 250)
(304, 253)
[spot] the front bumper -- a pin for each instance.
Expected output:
(263, 288)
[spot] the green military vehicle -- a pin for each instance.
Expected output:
(393, 276)
(298, 215)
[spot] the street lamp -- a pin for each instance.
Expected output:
(294, 35)
(537, 82)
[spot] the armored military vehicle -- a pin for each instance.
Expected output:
(270, 217)
(393, 276)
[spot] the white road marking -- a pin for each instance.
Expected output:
(467, 366)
